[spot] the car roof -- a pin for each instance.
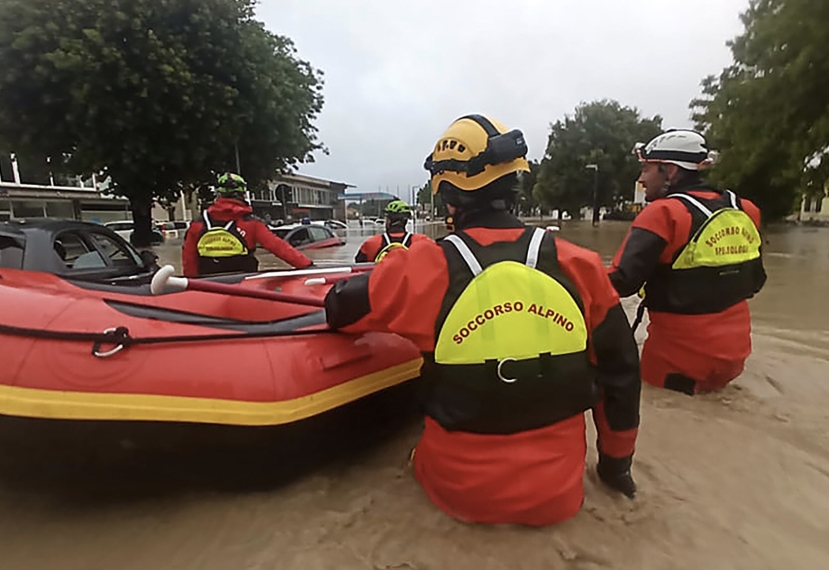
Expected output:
(295, 226)
(21, 227)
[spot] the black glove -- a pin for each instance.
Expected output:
(615, 473)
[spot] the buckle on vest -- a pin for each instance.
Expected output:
(500, 374)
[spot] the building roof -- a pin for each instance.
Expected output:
(302, 178)
(357, 196)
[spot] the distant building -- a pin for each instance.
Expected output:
(35, 193)
(24, 194)
(291, 197)
(638, 198)
(639, 194)
(815, 208)
(181, 211)
(368, 203)
(288, 197)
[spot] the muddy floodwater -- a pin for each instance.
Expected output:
(735, 480)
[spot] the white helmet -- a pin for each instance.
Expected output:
(687, 149)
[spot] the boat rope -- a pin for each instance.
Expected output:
(120, 338)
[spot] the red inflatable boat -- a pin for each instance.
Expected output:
(74, 350)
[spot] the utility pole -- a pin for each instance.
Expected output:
(595, 169)
(248, 197)
(239, 117)
(281, 189)
(15, 169)
(413, 196)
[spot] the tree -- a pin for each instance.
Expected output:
(527, 200)
(424, 195)
(424, 198)
(602, 133)
(158, 95)
(767, 112)
(373, 207)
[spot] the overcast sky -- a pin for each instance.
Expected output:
(397, 73)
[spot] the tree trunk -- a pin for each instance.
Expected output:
(141, 217)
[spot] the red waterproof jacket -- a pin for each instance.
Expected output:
(373, 245)
(254, 232)
(528, 476)
(709, 348)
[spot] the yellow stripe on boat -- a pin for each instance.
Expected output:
(71, 405)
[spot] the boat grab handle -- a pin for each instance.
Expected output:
(96, 350)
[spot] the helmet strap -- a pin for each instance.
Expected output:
(495, 205)
(499, 205)
(666, 185)
(449, 220)
(683, 179)
(462, 215)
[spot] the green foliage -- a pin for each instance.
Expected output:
(768, 112)
(424, 198)
(424, 194)
(527, 200)
(156, 94)
(372, 207)
(602, 133)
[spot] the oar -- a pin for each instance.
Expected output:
(323, 280)
(356, 268)
(164, 282)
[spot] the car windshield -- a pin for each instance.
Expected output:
(94, 254)
(76, 254)
(319, 233)
(11, 253)
(122, 255)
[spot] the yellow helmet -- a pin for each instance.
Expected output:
(475, 151)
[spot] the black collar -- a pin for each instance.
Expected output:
(495, 219)
(696, 185)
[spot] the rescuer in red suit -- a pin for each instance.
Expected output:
(521, 334)
(397, 214)
(696, 249)
(225, 239)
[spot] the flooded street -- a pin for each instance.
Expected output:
(735, 480)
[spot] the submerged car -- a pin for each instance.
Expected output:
(124, 228)
(308, 236)
(335, 225)
(172, 230)
(73, 250)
